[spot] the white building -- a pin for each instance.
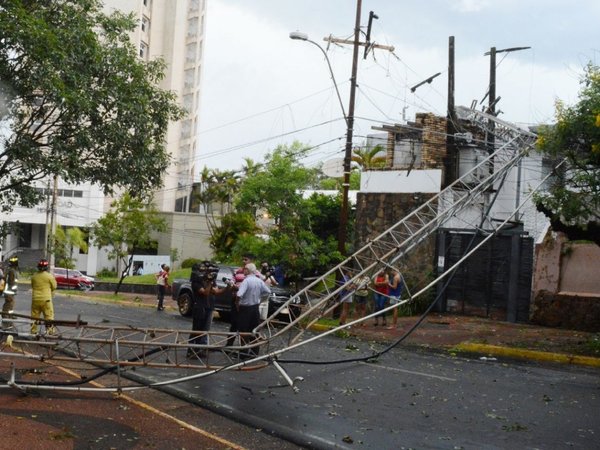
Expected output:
(174, 31)
(76, 206)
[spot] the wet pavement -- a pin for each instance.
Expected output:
(76, 420)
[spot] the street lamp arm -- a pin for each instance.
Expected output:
(507, 50)
(296, 35)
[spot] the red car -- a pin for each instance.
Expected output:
(72, 279)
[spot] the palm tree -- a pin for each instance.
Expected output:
(368, 158)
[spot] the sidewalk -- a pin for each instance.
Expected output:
(466, 335)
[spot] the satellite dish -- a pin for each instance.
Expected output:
(333, 168)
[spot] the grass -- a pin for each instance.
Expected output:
(147, 278)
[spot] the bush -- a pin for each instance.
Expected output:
(189, 262)
(106, 273)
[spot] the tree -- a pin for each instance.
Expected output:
(277, 188)
(234, 226)
(300, 239)
(367, 158)
(77, 102)
(218, 188)
(573, 200)
(64, 242)
(126, 228)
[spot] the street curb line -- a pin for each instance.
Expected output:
(151, 409)
(140, 304)
(527, 354)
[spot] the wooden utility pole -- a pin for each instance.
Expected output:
(343, 229)
(491, 141)
(451, 156)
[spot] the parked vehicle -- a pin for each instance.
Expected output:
(72, 279)
(181, 292)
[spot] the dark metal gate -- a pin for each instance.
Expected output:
(494, 282)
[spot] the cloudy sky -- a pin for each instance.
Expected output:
(261, 89)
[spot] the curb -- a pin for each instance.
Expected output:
(520, 353)
(509, 352)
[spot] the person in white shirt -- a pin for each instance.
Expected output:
(162, 283)
(250, 292)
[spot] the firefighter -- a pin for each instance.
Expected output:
(43, 285)
(11, 279)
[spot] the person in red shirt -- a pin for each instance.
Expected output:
(381, 285)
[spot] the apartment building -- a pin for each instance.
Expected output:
(174, 31)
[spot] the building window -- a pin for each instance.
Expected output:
(181, 204)
(145, 24)
(188, 103)
(143, 50)
(192, 27)
(147, 3)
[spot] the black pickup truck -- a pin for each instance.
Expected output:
(181, 292)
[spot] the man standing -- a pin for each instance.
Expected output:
(239, 276)
(10, 289)
(43, 285)
(204, 289)
(250, 292)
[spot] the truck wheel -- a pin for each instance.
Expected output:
(184, 303)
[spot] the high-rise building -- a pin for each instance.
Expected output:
(174, 31)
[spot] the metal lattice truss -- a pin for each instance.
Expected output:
(126, 346)
(123, 347)
(319, 298)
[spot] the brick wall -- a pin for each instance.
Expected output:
(434, 140)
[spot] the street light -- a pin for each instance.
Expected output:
(299, 36)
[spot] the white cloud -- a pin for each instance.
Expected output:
(469, 6)
(259, 84)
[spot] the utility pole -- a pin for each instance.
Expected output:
(492, 100)
(343, 229)
(451, 157)
(47, 240)
(491, 140)
(53, 221)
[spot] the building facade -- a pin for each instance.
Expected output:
(174, 31)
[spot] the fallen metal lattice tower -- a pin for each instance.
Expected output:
(126, 347)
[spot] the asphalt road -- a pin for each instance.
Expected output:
(405, 399)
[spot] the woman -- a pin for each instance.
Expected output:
(162, 283)
(361, 296)
(381, 285)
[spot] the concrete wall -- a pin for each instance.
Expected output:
(566, 284)
(188, 233)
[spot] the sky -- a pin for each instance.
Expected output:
(261, 89)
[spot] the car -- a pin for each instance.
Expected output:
(181, 292)
(72, 279)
